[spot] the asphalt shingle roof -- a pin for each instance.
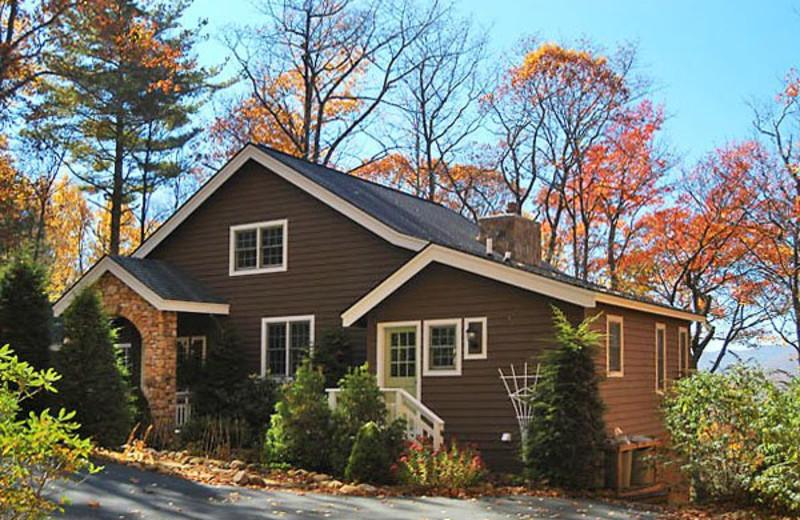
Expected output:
(166, 280)
(423, 219)
(401, 211)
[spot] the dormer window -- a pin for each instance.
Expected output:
(258, 248)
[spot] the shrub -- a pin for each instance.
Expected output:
(370, 460)
(36, 450)
(92, 385)
(225, 394)
(566, 437)
(216, 437)
(300, 429)
(333, 353)
(778, 481)
(734, 435)
(25, 316)
(453, 467)
(359, 401)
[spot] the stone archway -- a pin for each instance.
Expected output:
(129, 343)
(158, 330)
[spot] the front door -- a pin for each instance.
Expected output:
(400, 358)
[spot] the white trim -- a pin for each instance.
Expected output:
(254, 153)
(470, 263)
(108, 265)
(497, 271)
(611, 318)
(436, 372)
(381, 346)
(283, 319)
(652, 308)
(484, 338)
(683, 355)
(659, 389)
(257, 227)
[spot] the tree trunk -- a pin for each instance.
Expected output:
(117, 189)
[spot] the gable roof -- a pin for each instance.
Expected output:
(401, 211)
(163, 285)
(536, 280)
(397, 217)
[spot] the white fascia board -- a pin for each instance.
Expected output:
(252, 152)
(107, 265)
(507, 274)
(472, 264)
(650, 308)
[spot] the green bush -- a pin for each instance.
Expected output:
(92, 384)
(455, 467)
(734, 435)
(359, 401)
(36, 450)
(566, 438)
(300, 429)
(25, 316)
(371, 459)
(224, 394)
(333, 354)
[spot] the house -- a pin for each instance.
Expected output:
(282, 250)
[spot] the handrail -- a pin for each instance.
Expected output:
(421, 420)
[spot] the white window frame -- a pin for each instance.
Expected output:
(683, 355)
(484, 337)
(258, 226)
(610, 318)
(288, 320)
(433, 372)
(661, 327)
(188, 341)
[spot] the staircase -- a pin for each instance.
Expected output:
(421, 421)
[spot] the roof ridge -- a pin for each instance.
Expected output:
(367, 181)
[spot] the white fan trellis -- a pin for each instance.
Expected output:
(521, 389)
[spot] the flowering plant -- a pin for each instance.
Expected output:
(451, 467)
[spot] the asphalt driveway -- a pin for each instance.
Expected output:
(120, 492)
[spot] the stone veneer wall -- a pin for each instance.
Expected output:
(158, 330)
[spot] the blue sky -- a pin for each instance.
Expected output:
(707, 58)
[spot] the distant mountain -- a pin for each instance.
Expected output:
(770, 357)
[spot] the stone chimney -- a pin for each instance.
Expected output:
(513, 234)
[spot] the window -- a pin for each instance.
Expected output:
(403, 349)
(192, 349)
(442, 348)
(475, 338)
(258, 248)
(615, 346)
(285, 342)
(683, 351)
(661, 357)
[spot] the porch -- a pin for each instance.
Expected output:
(163, 316)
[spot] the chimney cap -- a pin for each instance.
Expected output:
(512, 208)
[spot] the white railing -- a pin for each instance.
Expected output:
(183, 408)
(421, 421)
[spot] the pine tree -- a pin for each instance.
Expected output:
(128, 86)
(92, 384)
(25, 316)
(566, 437)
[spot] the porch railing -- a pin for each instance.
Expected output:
(421, 421)
(183, 408)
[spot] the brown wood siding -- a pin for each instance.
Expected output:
(332, 261)
(632, 401)
(475, 406)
